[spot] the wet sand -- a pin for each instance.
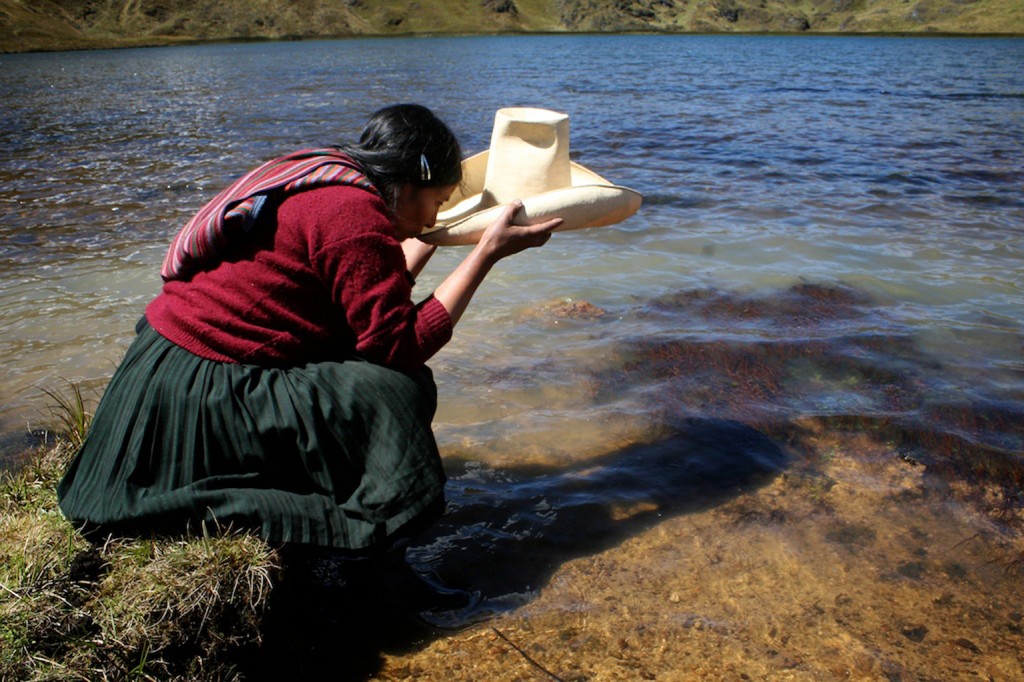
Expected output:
(863, 568)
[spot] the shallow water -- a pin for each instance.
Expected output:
(831, 233)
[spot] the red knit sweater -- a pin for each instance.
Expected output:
(326, 278)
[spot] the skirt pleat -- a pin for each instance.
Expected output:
(338, 454)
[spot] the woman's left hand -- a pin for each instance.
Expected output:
(503, 238)
(500, 239)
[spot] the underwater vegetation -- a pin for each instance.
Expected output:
(803, 355)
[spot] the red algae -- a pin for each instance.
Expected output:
(804, 304)
(801, 357)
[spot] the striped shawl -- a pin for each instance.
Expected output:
(232, 212)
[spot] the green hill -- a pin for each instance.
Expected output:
(27, 25)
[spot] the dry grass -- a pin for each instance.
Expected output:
(147, 609)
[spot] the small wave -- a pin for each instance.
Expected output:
(982, 175)
(984, 200)
(682, 201)
(808, 89)
(967, 96)
(952, 96)
(900, 178)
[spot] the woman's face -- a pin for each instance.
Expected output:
(416, 208)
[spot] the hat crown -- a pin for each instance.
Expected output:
(529, 154)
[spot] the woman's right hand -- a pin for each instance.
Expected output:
(503, 238)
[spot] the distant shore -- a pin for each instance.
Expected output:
(49, 25)
(13, 47)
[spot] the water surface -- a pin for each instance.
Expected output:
(832, 226)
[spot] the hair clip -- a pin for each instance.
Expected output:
(424, 168)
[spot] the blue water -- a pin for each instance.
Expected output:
(832, 226)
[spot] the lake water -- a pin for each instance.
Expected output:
(832, 231)
(777, 172)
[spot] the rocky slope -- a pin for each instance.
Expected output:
(75, 24)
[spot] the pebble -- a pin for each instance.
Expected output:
(969, 645)
(916, 633)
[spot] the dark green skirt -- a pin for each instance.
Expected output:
(337, 454)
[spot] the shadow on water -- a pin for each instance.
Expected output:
(504, 536)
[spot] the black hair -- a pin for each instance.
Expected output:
(396, 141)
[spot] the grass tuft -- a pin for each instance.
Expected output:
(158, 608)
(70, 413)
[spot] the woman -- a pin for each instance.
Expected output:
(278, 382)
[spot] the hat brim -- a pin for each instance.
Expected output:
(591, 201)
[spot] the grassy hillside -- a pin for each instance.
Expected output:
(74, 24)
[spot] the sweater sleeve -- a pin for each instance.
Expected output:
(355, 254)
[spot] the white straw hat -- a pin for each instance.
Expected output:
(529, 160)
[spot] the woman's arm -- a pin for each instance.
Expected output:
(499, 240)
(417, 254)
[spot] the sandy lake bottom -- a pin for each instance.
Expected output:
(861, 569)
(853, 563)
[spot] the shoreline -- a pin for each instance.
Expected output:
(188, 41)
(849, 563)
